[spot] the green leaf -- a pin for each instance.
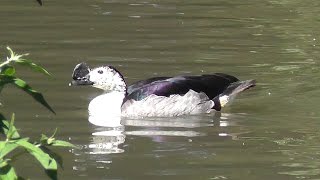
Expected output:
(45, 160)
(4, 127)
(4, 79)
(8, 70)
(7, 172)
(43, 139)
(11, 129)
(3, 163)
(51, 141)
(53, 154)
(6, 148)
(33, 66)
(63, 144)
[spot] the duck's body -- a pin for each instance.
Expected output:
(159, 96)
(173, 105)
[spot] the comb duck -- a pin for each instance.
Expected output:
(157, 96)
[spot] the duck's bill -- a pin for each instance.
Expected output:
(80, 83)
(80, 75)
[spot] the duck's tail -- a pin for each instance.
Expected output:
(231, 92)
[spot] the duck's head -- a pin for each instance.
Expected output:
(106, 78)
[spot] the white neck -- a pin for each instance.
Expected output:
(105, 110)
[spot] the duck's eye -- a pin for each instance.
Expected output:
(100, 72)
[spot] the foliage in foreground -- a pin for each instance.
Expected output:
(12, 145)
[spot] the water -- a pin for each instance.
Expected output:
(270, 132)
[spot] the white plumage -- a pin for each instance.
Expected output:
(174, 105)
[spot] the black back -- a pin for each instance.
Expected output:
(211, 84)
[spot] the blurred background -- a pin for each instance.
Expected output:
(270, 131)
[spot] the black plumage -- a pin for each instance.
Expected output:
(211, 84)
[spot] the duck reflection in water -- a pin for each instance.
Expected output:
(109, 140)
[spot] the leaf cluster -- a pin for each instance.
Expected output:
(9, 147)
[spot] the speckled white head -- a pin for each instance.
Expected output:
(107, 78)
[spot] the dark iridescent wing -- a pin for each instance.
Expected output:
(137, 85)
(212, 85)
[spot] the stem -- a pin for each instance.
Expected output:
(5, 63)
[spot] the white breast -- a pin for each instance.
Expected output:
(175, 105)
(105, 110)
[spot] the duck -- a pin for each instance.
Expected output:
(163, 96)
